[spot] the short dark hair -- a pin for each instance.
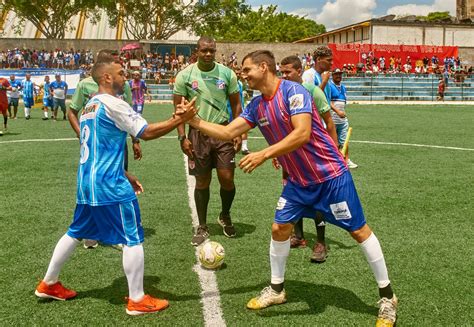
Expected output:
(260, 56)
(98, 68)
(294, 61)
(322, 51)
(106, 55)
(205, 39)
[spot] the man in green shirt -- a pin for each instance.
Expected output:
(291, 69)
(86, 89)
(212, 84)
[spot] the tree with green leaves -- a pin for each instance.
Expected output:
(436, 16)
(149, 19)
(50, 17)
(233, 20)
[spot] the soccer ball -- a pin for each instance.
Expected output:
(211, 255)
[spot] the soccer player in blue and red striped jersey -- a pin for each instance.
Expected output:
(319, 180)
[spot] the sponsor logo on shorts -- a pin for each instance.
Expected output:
(220, 84)
(340, 210)
(296, 102)
(281, 203)
(263, 121)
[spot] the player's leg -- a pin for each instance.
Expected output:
(10, 105)
(4, 110)
(200, 166)
(245, 148)
(320, 248)
(55, 109)
(62, 104)
(28, 102)
(298, 240)
(290, 209)
(223, 158)
(341, 206)
(15, 107)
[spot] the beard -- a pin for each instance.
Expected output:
(118, 88)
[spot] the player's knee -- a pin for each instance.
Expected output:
(281, 232)
(361, 234)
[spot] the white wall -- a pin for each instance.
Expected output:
(397, 35)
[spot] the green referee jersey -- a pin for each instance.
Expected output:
(319, 97)
(211, 88)
(87, 88)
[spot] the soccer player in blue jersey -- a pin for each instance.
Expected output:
(106, 204)
(28, 89)
(319, 180)
(47, 98)
(58, 89)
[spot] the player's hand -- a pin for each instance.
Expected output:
(187, 148)
(137, 186)
(252, 161)
(186, 110)
(276, 164)
(237, 143)
(325, 76)
(137, 151)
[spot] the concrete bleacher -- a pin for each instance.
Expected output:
(406, 88)
(376, 88)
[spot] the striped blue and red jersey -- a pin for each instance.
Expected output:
(315, 162)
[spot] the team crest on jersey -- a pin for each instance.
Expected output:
(220, 84)
(195, 85)
(296, 101)
(263, 121)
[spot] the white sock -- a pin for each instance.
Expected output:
(244, 145)
(27, 111)
(373, 253)
(134, 267)
(45, 113)
(63, 250)
(279, 252)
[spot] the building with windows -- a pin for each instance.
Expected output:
(464, 9)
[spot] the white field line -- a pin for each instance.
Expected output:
(260, 137)
(210, 297)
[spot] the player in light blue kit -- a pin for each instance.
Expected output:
(47, 98)
(107, 208)
(28, 89)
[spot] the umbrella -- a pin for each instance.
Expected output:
(131, 46)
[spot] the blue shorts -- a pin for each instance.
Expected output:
(335, 199)
(110, 224)
(341, 130)
(48, 102)
(29, 102)
(138, 108)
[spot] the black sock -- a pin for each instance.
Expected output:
(299, 229)
(277, 287)
(320, 230)
(5, 120)
(386, 292)
(227, 197)
(201, 198)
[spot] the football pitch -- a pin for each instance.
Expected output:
(415, 181)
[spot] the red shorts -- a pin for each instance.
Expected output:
(3, 108)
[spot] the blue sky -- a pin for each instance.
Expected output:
(337, 13)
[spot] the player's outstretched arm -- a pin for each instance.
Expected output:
(298, 137)
(236, 128)
(182, 115)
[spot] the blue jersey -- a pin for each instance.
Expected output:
(28, 88)
(59, 89)
(46, 92)
(338, 92)
(105, 123)
(315, 162)
(327, 90)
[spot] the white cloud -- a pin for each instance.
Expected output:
(345, 12)
(423, 10)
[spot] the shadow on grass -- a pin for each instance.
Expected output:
(317, 296)
(116, 292)
(333, 244)
(241, 229)
(148, 231)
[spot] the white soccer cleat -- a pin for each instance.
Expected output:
(351, 164)
(387, 312)
(267, 298)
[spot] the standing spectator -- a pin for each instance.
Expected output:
(13, 96)
(28, 89)
(441, 89)
(58, 89)
(4, 87)
(139, 88)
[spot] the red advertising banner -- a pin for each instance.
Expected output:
(352, 53)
